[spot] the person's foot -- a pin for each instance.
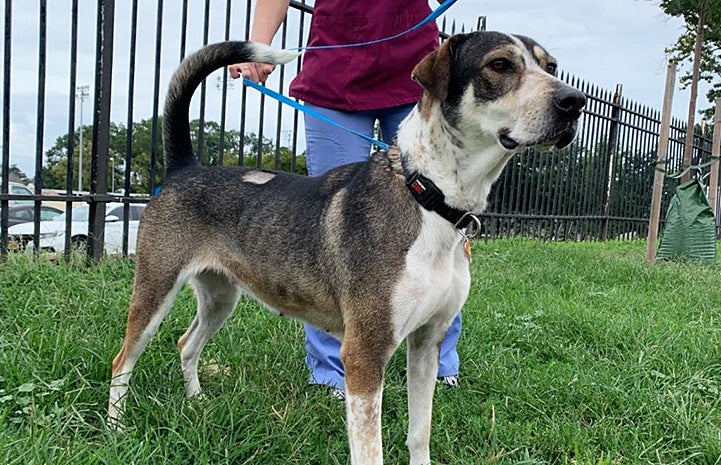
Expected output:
(337, 393)
(450, 381)
(334, 391)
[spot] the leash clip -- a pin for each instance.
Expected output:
(473, 228)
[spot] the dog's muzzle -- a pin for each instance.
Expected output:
(567, 104)
(569, 101)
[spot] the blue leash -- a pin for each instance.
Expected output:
(309, 111)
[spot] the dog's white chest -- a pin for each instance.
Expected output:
(435, 282)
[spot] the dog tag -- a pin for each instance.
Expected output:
(467, 249)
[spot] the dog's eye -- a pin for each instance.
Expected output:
(551, 68)
(501, 65)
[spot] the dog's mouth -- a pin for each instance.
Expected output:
(558, 139)
(566, 137)
(506, 141)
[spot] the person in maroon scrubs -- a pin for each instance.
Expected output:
(356, 86)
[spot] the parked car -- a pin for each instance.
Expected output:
(17, 188)
(26, 213)
(52, 233)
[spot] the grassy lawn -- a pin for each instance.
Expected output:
(572, 353)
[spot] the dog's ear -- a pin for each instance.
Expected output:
(434, 70)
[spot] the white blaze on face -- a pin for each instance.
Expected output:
(527, 111)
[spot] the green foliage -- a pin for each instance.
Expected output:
(682, 51)
(143, 147)
(571, 353)
(17, 175)
(54, 173)
(280, 162)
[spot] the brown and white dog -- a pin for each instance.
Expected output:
(377, 253)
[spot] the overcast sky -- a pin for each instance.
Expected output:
(605, 42)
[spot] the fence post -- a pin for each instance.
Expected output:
(715, 153)
(660, 165)
(612, 149)
(101, 128)
(40, 122)
(5, 167)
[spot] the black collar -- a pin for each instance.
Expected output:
(431, 198)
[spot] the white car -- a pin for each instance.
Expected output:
(52, 233)
(18, 188)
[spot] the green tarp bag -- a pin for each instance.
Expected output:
(690, 231)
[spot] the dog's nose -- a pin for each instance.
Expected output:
(569, 100)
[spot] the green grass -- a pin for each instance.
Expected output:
(572, 353)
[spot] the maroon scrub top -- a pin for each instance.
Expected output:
(367, 77)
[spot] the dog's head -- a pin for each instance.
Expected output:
(502, 86)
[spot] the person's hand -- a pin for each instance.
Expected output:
(256, 72)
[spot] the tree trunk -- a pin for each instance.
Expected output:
(688, 146)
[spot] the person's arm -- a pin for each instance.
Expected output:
(268, 16)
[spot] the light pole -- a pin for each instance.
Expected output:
(82, 93)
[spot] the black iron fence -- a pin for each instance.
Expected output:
(598, 188)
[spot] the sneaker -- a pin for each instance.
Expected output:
(337, 393)
(450, 381)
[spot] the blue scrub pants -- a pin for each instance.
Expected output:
(326, 148)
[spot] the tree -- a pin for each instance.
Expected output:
(709, 65)
(54, 173)
(701, 44)
(17, 175)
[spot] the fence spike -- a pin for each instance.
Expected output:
(580, 84)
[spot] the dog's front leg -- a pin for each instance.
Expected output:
(364, 366)
(423, 359)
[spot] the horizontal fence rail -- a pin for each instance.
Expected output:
(95, 134)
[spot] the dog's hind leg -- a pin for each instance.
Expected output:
(364, 354)
(423, 360)
(150, 303)
(217, 297)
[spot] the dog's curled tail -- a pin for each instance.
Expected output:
(178, 150)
